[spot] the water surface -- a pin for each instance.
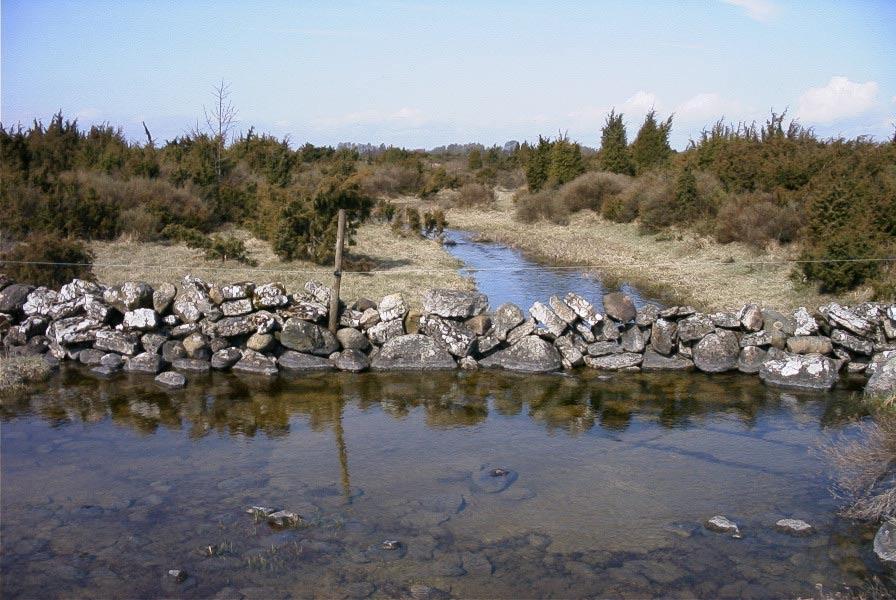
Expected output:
(108, 484)
(505, 274)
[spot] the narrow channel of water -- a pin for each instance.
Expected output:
(521, 280)
(605, 484)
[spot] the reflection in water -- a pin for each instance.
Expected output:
(492, 483)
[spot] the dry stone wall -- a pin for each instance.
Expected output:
(171, 331)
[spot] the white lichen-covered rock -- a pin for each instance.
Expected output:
(412, 352)
(309, 310)
(129, 295)
(171, 379)
(633, 339)
(583, 309)
(392, 307)
(454, 336)
(117, 341)
(530, 355)
(319, 292)
(725, 320)
(40, 302)
(78, 288)
(384, 331)
(840, 316)
(73, 330)
(811, 371)
(454, 304)
(237, 291)
(270, 295)
(805, 322)
(562, 309)
(369, 317)
(569, 350)
(96, 309)
(141, 319)
(546, 317)
(235, 308)
(192, 304)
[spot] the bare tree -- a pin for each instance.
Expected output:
(220, 120)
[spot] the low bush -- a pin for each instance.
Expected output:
(592, 190)
(434, 223)
(531, 207)
(756, 219)
(475, 195)
(43, 259)
(228, 248)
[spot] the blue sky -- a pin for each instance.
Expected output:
(420, 74)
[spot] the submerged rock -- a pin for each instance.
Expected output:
(885, 541)
(144, 363)
(794, 527)
(298, 361)
(530, 354)
(284, 519)
(171, 379)
(657, 362)
(614, 362)
(721, 524)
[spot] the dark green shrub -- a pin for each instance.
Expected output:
(72, 257)
(434, 222)
(614, 153)
(651, 146)
(228, 248)
(566, 162)
(840, 267)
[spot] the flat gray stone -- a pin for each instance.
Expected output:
(171, 379)
(297, 361)
(530, 354)
(412, 352)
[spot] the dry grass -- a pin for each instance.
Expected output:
(408, 265)
(675, 267)
(16, 372)
(865, 478)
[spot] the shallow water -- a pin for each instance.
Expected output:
(521, 280)
(108, 484)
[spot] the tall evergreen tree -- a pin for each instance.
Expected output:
(566, 161)
(651, 146)
(614, 155)
(538, 165)
(474, 159)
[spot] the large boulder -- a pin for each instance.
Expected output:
(717, 352)
(751, 317)
(270, 295)
(750, 359)
(162, 297)
(129, 295)
(853, 343)
(805, 322)
(352, 339)
(456, 337)
(507, 317)
(883, 381)
(531, 354)
(144, 363)
(412, 352)
(811, 371)
(40, 302)
(456, 304)
(141, 319)
(192, 304)
(309, 338)
(620, 307)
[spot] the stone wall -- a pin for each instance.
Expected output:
(263, 329)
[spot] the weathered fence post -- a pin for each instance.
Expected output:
(337, 274)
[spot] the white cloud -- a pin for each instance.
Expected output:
(641, 102)
(708, 105)
(88, 114)
(839, 99)
(758, 10)
(403, 116)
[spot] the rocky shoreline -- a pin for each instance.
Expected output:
(262, 329)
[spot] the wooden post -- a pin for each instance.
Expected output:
(337, 274)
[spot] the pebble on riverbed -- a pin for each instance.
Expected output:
(284, 519)
(794, 527)
(177, 575)
(721, 524)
